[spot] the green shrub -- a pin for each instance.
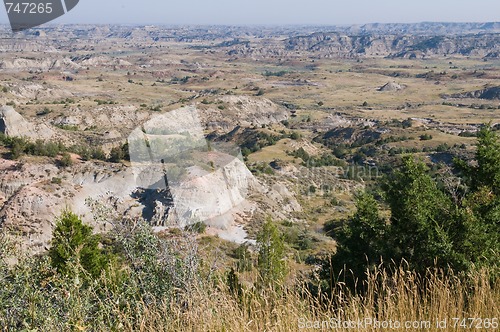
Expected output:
(66, 160)
(116, 154)
(197, 227)
(74, 243)
(244, 258)
(295, 135)
(43, 112)
(271, 259)
(98, 154)
(56, 180)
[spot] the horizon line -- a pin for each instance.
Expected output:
(261, 24)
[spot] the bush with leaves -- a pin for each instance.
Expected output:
(486, 171)
(146, 272)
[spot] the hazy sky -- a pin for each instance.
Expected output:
(279, 11)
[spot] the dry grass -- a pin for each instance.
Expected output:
(273, 152)
(401, 298)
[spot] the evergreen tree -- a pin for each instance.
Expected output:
(420, 218)
(480, 209)
(486, 171)
(74, 242)
(427, 227)
(271, 260)
(361, 240)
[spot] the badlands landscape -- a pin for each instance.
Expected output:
(359, 96)
(224, 127)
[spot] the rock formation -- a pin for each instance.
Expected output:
(391, 86)
(488, 93)
(13, 124)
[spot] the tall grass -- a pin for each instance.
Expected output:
(128, 298)
(399, 297)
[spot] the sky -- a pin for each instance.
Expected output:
(279, 12)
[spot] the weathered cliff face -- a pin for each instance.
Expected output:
(30, 199)
(394, 45)
(13, 124)
(352, 44)
(424, 28)
(207, 183)
(397, 40)
(213, 197)
(242, 111)
(488, 93)
(40, 38)
(45, 64)
(108, 117)
(36, 91)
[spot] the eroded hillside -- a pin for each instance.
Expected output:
(300, 118)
